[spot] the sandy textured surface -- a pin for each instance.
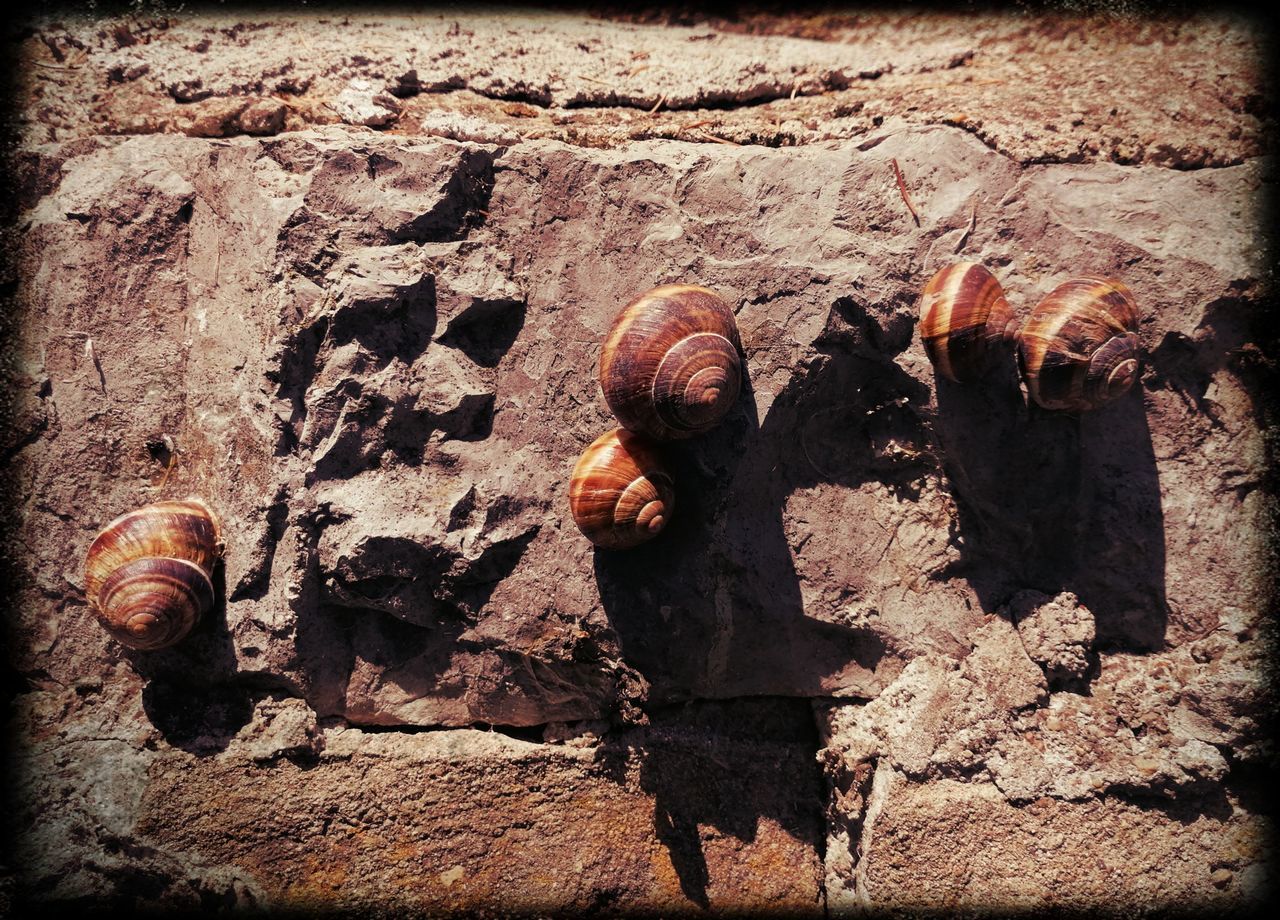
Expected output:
(1183, 93)
(905, 643)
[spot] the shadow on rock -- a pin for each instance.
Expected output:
(191, 695)
(397, 644)
(1058, 502)
(713, 606)
(722, 765)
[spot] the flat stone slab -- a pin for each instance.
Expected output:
(711, 808)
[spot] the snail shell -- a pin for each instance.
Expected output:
(965, 321)
(147, 575)
(619, 493)
(1079, 349)
(670, 366)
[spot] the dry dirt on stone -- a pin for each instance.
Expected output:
(904, 643)
(1184, 93)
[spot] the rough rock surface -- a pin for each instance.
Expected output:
(1057, 633)
(1030, 642)
(699, 809)
(1183, 92)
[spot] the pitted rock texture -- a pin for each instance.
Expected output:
(702, 808)
(1057, 633)
(1180, 91)
(374, 355)
(1047, 855)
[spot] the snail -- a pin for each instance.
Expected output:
(619, 493)
(670, 366)
(965, 321)
(147, 575)
(1079, 348)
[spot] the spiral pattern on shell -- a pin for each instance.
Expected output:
(670, 367)
(619, 493)
(1079, 348)
(965, 321)
(147, 574)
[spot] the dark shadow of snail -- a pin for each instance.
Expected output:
(192, 696)
(712, 608)
(1058, 502)
(725, 765)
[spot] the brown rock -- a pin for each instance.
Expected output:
(212, 117)
(1057, 633)
(374, 354)
(263, 116)
(650, 820)
(1191, 98)
(1054, 858)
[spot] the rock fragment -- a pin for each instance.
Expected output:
(360, 103)
(1057, 633)
(280, 727)
(263, 117)
(459, 127)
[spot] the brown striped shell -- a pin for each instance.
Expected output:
(619, 493)
(147, 575)
(965, 321)
(670, 366)
(1079, 348)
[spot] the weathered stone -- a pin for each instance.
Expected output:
(650, 820)
(1111, 854)
(360, 103)
(1032, 641)
(459, 127)
(1056, 632)
(1137, 737)
(279, 727)
(263, 116)
(936, 716)
(1191, 98)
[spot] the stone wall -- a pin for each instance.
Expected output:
(905, 643)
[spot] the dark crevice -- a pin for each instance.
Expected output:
(462, 207)
(422, 585)
(25, 440)
(714, 103)
(529, 733)
(486, 330)
(1186, 805)
(292, 370)
(744, 719)
(254, 583)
